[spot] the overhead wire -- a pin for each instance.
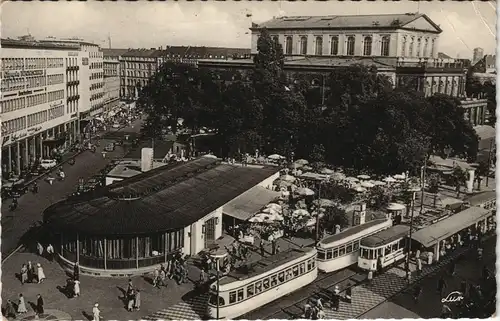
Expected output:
(478, 13)
(454, 30)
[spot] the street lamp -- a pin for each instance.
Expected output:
(411, 190)
(217, 256)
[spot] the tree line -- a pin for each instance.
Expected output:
(360, 121)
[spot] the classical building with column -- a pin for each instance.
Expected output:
(40, 99)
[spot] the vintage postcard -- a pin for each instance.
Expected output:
(248, 160)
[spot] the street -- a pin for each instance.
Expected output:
(31, 206)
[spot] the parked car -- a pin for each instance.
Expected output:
(48, 163)
(110, 147)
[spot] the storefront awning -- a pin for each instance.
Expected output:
(246, 205)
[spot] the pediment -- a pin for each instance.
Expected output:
(422, 23)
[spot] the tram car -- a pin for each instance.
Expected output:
(341, 250)
(383, 248)
(269, 279)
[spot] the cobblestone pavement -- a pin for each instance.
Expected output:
(15, 224)
(429, 304)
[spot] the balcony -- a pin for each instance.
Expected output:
(73, 83)
(74, 97)
(70, 68)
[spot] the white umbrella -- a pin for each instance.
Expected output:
(305, 191)
(275, 157)
(270, 211)
(352, 179)
(300, 212)
(301, 162)
(306, 168)
(360, 189)
(399, 176)
(323, 202)
(281, 183)
(363, 176)
(255, 219)
(379, 183)
(367, 184)
(389, 179)
(395, 207)
(288, 178)
(209, 156)
(327, 171)
(264, 216)
(338, 176)
(297, 172)
(277, 217)
(274, 206)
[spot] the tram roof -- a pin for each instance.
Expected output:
(432, 234)
(160, 200)
(351, 231)
(386, 236)
(267, 264)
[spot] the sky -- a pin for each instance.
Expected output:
(466, 25)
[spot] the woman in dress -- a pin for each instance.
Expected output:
(24, 274)
(76, 288)
(21, 307)
(40, 274)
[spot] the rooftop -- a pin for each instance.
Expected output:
(113, 52)
(391, 21)
(129, 168)
(161, 149)
(385, 236)
(351, 231)
(163, 199)
(15, 43)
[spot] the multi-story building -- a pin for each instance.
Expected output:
(112, 77)
(401, 46)
(477, 54)
(41, 94)
(93, 104)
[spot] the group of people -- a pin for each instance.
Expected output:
(10, 310)
(133, 297)
(30, 274)
(314, 310)
(176, 268)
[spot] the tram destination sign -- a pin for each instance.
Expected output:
(22, 73)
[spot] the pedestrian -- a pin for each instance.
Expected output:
(184, 271)
(40, 273)
(479, 253)
(21, 306)
(50, 252)
(453, 266)
(417, 292)
(156, 277)
(24, 274)
(96, 312)
(319, 304)
(417, 254)
(430, 257)
(31, 272)
(262, 250)
(76, 288)
(370, 276)
(39, 248)
(9, 310)
(137, 300)
(35, 188)
(336, 298)
(163, 278)
(278, 248)
(130, 298)
(419, 266)
(348, 293)
(273, 246)
(76, 271)
(441, 285)
(39, 305)
(130, 287)
(203, 276)
(307, 310)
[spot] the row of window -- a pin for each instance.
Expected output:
(55, 95)
(96, 75)
(96, 86)
(35, 63)
(72, 91)
(96, 96)
(96, 65)
(31, 63)
(127, 248)
(412, 49)
(55, 62)
(267, 283)
(72, 107)
(70, 62)
(372, 254)
(56, 112)
(13, 125)
(95, 54)
(55, 79)
(338, 251)
(37, 118)
(36, 100)
(39, 81)
(12, 63)
(145, 66)
(13, 84)
(72, 75)
(11, 105)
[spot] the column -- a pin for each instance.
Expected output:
(18, 157)
(166, 247)
(137, 252)
(9, 161)
(77, 247)
(436, 252)
(41, 145)
(33, 149)
(105, 253)
(470, 181)
(26, 152)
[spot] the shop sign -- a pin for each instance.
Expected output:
(23, 73)
(85, 61)
(18, 136)
(34, 129)
(73, 54)
(24, 93)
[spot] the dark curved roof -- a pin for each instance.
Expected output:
(351, 231)
(163, 199)
(386, 236)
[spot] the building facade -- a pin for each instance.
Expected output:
(111, 58)
(136, 67)
(41, 93)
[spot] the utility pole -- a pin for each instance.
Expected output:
(424, 170)
(319, 212)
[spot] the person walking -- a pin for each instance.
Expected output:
(76, 288)
(163, 278)
(370, 276)
(39, 305)
(262, 250)
(39, 247)
(156, 277)
(336, 298)
(130, 287)
(24, 274)
(348, 293)
(40, 273)
(76, 271)
(137, 300)
(10, 312)
(21, 306)
(96, 312)
(50, 252)
(417, 292)
(419, 266)
(130, 298)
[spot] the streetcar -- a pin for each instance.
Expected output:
(341, 250)
(384, 248)
(269, 279)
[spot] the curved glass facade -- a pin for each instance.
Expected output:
(119, 252)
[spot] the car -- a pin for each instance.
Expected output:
(116, 125)
(110, 147)
(48, 163)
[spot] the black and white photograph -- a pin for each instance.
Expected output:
(258, 160)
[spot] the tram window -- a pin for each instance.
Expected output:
(313, 263)
(355, 246)
(232, 297)
(241, 295)
(288, 274)
(295, 271)
(387, 250)
(309, 265)
(258, 287)
(265, 284)
(281, 277)
(348, 248)
(380, 253)
(213, 300)
(394, 247)
(274, 280)
(402, 243)
(302, 268)
(250, 290)
(341, 251)
(335, 253)
(329, 255)
(321, 255)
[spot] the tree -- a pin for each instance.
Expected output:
(334, 215)
(379, 198)
(482, 171)
(473, 87)
(490, 93)
(338, 192)
(434, 183)
(458, 178)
